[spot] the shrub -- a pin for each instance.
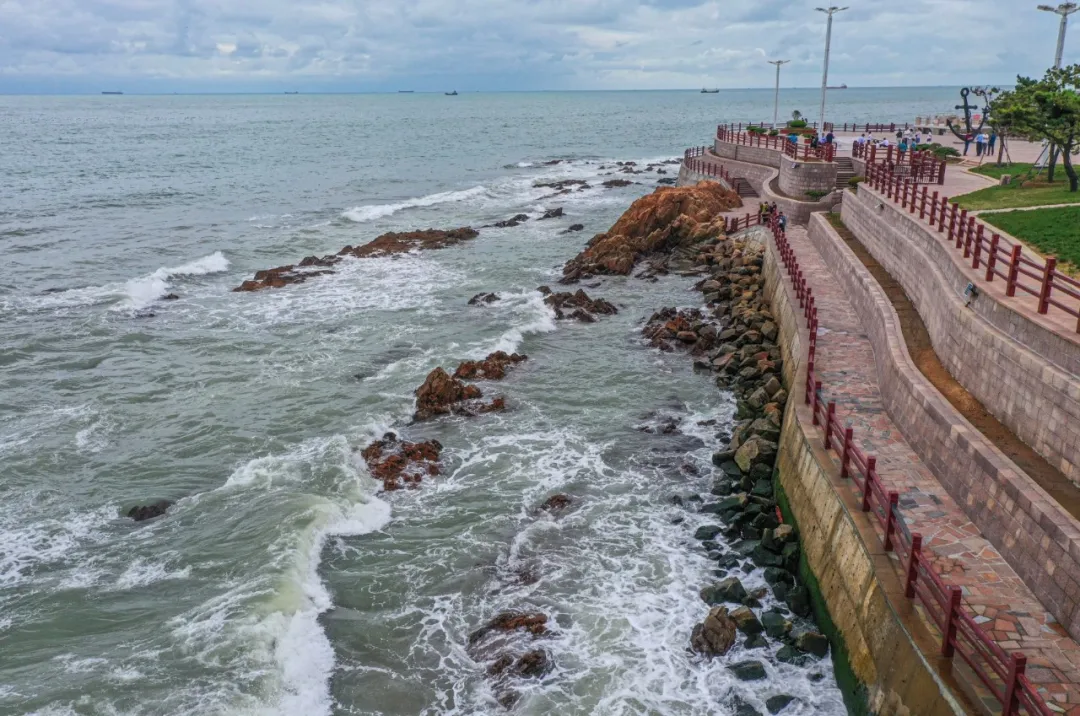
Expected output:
(754, 129)
(854, 182)
(944, 152)
(797, 123)
(774, 133)
(816, 194)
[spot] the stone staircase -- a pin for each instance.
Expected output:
(845, 170)
(744, 189)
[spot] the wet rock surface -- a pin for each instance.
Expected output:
(442, 394)
(388, 244)
(491, 368)
(658, 222)
(399, 464)
(141, 513)
(482, 299)
(577, 306)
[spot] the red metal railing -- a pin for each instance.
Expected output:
(1003, 674)
(738, 223)
(804, 152)
(829, 126)
(987, 249)
(709, 169)
(921, 167)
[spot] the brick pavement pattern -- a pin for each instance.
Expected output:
(1003, 603)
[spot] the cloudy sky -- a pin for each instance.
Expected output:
(373, 45)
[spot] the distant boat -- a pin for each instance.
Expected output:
(709, 91)
(840, 87)
(451, 94)
(292, 93)
(113, 92)
(405, 91)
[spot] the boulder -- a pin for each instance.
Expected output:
(556, 503)
(491, 368)
(775, 625)
(534, 623)
(776, 704)
(483, 298)
(442, 395)
(398, 464)
(747, 621)
(552, 214)
(512, 221)
(716, 635)
(749, 670)
(790, 655)
(755, 451)
(577, 306)
(574, 227)
(729, 590)
(812, 642)
(707, 532)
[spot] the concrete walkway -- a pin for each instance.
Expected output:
(1005, 606)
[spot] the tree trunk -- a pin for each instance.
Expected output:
(1066, 159)
(1001, 150)
(1053, 163)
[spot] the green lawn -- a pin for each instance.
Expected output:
(993, 171)
(1049, 231)
(1014, 196)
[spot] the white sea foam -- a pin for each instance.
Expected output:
(530, 316)
(142, 572)
(141, 292)
(362, 214)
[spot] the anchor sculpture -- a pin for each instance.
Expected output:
(969, 131)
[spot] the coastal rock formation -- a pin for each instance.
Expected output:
(503, 644)
(402, 464)
(491, 368)
(483, 298)
(563, 185)
(141, 513)
(535, 623)
(656, 223)
(385, 245)
(442, 395)
(574, 227)
(552, 214)
(404, 242)
(615, 183)
(577, 306)
(512, 221)
(556, 503)
(716, 635)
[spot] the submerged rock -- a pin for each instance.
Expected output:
(491, 368)
(535, 623)
(556, 503)
(749, 670)
(578, 306)
(552, 214)
(442, 395)
(141, 513)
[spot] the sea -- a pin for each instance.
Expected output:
(283, 581)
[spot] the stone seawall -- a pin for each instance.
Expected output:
(798, 178)
(1013, 366)
(1039, 539)
(875, 628)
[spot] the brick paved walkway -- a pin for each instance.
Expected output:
(1006, 607)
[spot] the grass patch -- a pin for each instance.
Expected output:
(1050, 231)
(1015, 196)
(992, 170)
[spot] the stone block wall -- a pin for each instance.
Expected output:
(1039, 539)
(884, 640)
(1012, 365)
(754, 155)
(797, 178)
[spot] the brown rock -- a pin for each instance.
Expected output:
(534, 623)
(491, 368)
(442, 395)
(656, 223)
(398, 464)
(556, 503)
(140, 513)
(577, 306)
(716, 635)
(400, 243)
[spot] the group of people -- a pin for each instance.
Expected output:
(906, 139)
(984, 143)
(767, 212)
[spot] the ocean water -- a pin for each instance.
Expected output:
(282, 581)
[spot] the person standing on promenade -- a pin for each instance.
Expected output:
(967, 143)
(991, 143)
(980, 145)
(782, 222)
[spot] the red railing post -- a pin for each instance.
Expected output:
(830, 418)
(978, 247)
(890, 520)
(1017, 667)
(871, 475)
(933, 207)
(922, 206)
(1014, 271)
(814, 401)
(948, 636)
(845, 456)
(913, 565)
(961, 228)
(969, 235)
(1047, 284)
(991, 260)
(952, 221)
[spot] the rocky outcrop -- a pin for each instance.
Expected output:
(481, 299)
(141, 513)
(556, 503)
(385, 245)
(512, 221)
(577, 306)
(503, 643)
(552, 214)
(563, 186)
(615, 183)
(491, 368)
(574, 227)
(535, 623)
(400, 464)
(656, 223)
(443, 395)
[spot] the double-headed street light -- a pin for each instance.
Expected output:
(1064, 9)
(776, 99)
(830, 11)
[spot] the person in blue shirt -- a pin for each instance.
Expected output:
(782, 221)
(903, 146)
(793, 138)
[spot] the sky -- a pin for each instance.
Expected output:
(490, 45)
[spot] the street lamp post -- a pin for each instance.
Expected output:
(830, 11)
(776, 99)
(1064, 9)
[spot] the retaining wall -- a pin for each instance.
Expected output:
(1021, 372)
(797, 178)
(1038, 538)
(753, 155)
(765, 180)
(880, 635)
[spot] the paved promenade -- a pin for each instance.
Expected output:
(1005, 606)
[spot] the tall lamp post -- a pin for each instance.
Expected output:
(776, 99)
(1064, 9)
(830, 11)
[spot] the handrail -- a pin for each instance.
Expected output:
(982, 245)
(804, 152)
(692, 163)
(922, 167)
(829, 126)
(1002, 673)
